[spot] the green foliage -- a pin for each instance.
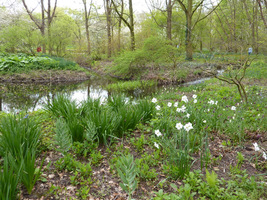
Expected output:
(20, 139)
(62, 138)
(127, 172)
(9, 179)
(156, 51)
(21, 63)
(129, 85)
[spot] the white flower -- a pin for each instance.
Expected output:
(233, 108)
(169, 104)
(178, 109)
(264, 156)
(154, 100)
(179, 126)
(158, 133)
(256, 146)
(175, 104)
(204, 121)
(195, 101)
(208, 110)
(211, 102)
(233, 117)
(156, 145)
(188, 126)
(194, 96)
(184, 99)
(216, 102)
(183, 108)
(158, 107)
(187, 115)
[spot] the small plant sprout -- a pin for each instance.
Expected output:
(194, 96)
(175, 104)
(158, 133)
(233, 108)
(188, 127)
(179, 126)
(157, 107)
(156, 145)
(154, 100)
(169, 104)
(256, 146)
(184, 99)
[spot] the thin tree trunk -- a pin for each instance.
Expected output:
(169, 19)
(132, 25)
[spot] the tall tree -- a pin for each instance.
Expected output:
(107, 5)
(130, 23)
(47, 14)
(190, 8)
(87, 12)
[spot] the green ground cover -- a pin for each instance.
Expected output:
(196, 142)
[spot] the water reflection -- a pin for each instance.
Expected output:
(31, 97)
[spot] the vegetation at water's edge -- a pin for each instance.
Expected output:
(22, 63)
(194, 142)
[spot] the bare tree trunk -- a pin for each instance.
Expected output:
(132, 25)
(119, 27)
(169, 19)
(86, 17)
(107, 4)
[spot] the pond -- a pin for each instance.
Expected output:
(31, 97)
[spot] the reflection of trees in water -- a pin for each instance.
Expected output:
(27, 96)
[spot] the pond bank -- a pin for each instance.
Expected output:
(45, 76)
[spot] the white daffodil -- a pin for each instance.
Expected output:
(154, 100)
(158, 107)
(158, 133)
(184, 99)
(179, 126)
(256, 146)
(188, 126)
(233, 108)
(211, 102)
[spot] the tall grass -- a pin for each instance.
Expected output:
(9, 179)
(20, 140)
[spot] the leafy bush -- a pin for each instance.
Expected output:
(20, 63)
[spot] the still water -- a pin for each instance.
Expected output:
(31, 97)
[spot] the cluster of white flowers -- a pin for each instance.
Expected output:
(182, 109)
(184, 99)
(187, 126)
(211, 102)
